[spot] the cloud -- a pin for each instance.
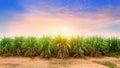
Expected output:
(74, 6)
(40, 23)
(113, 27)
(47, 19)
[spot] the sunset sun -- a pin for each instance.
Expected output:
(65, 31)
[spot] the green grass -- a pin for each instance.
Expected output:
(60, 46)
(109, 64)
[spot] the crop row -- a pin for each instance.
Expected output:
(59, 46)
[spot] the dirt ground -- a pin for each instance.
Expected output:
(24, 62)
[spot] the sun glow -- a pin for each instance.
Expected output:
(66, 32)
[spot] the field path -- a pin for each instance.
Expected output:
(24, 62)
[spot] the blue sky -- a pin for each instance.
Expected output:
(75, 15)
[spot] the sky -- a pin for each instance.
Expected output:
(51, 17)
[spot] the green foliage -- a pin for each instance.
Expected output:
(109, 64)
(114, 44)
(29, 46)
(19, 43)
(76, 46)
(60, 46)
(7, 46)
(45, 47)
(96, 46)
